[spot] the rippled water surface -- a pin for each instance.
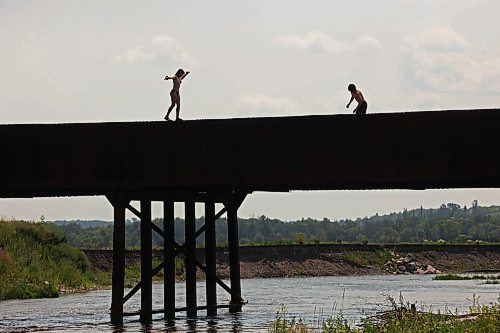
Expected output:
(356, 297)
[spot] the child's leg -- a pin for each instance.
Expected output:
(169, 110)
(178, 109)
(172, 104)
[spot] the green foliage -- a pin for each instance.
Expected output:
(363, 258)
(36, 262)
(41, 233)
(465, 277)
(447, 277)
(447, 224)
(492, 281)
(480, 319)
(336, 324)
(64, 253)
(283, 323)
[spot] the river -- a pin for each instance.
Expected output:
(355, 296)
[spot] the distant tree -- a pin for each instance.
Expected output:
(448, 222)
(407, 234)
(300, 238)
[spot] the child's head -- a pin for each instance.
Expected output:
(351, 88)
(180, 72)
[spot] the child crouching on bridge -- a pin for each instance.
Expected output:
(358, 96)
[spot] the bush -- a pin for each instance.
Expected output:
(66, 253)
(36, 262)
(41, 233)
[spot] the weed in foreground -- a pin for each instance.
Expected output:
(403, 318)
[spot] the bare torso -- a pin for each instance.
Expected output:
(177, 84)
(358, 96)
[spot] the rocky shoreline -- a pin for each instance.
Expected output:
(339, 259)
(408, 265)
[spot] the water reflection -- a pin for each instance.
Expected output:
(212, 326)
(236, 321)
(118, 328)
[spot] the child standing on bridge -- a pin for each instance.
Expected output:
(174, 93)
(358, 96)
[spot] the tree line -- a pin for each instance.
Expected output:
(447, 223)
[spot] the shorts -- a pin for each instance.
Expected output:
(362, 108)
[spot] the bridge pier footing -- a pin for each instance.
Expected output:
(171, 249)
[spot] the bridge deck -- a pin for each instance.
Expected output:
(376, 151)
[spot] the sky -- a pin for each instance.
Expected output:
(100, 61)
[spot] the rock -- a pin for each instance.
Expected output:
(408, 258)
(410, 267)
(402, 268)
(420, 271)
(431, 270)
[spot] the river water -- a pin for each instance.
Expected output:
(307, 298)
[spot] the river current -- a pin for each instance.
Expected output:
(308, 298)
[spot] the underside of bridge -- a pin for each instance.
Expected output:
(221, 161)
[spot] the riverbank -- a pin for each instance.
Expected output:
(333, 259)
(36, 262)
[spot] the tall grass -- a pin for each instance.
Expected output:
(403, 319)
(369, 258)
(36, 262)
(466, 277)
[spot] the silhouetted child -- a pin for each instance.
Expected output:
(358, 96)
(174, 93)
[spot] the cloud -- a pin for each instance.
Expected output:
(440, 59)
(160, 46)
(438, 38)
(320, 41)
(257, 104)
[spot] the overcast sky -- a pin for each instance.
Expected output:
(95, 61)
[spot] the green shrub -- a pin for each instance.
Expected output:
(480, 319)
(41, 233)
(36, 262)
(66, 253)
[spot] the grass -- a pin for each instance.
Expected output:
(133, 271)
(480, 319)
(364, 258)
(36, 262)
(447, 277)
(492, 282)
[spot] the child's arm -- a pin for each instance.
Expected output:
(350, 101)
(185, 75)
(167, 77)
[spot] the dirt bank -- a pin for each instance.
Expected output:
(334, 259)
